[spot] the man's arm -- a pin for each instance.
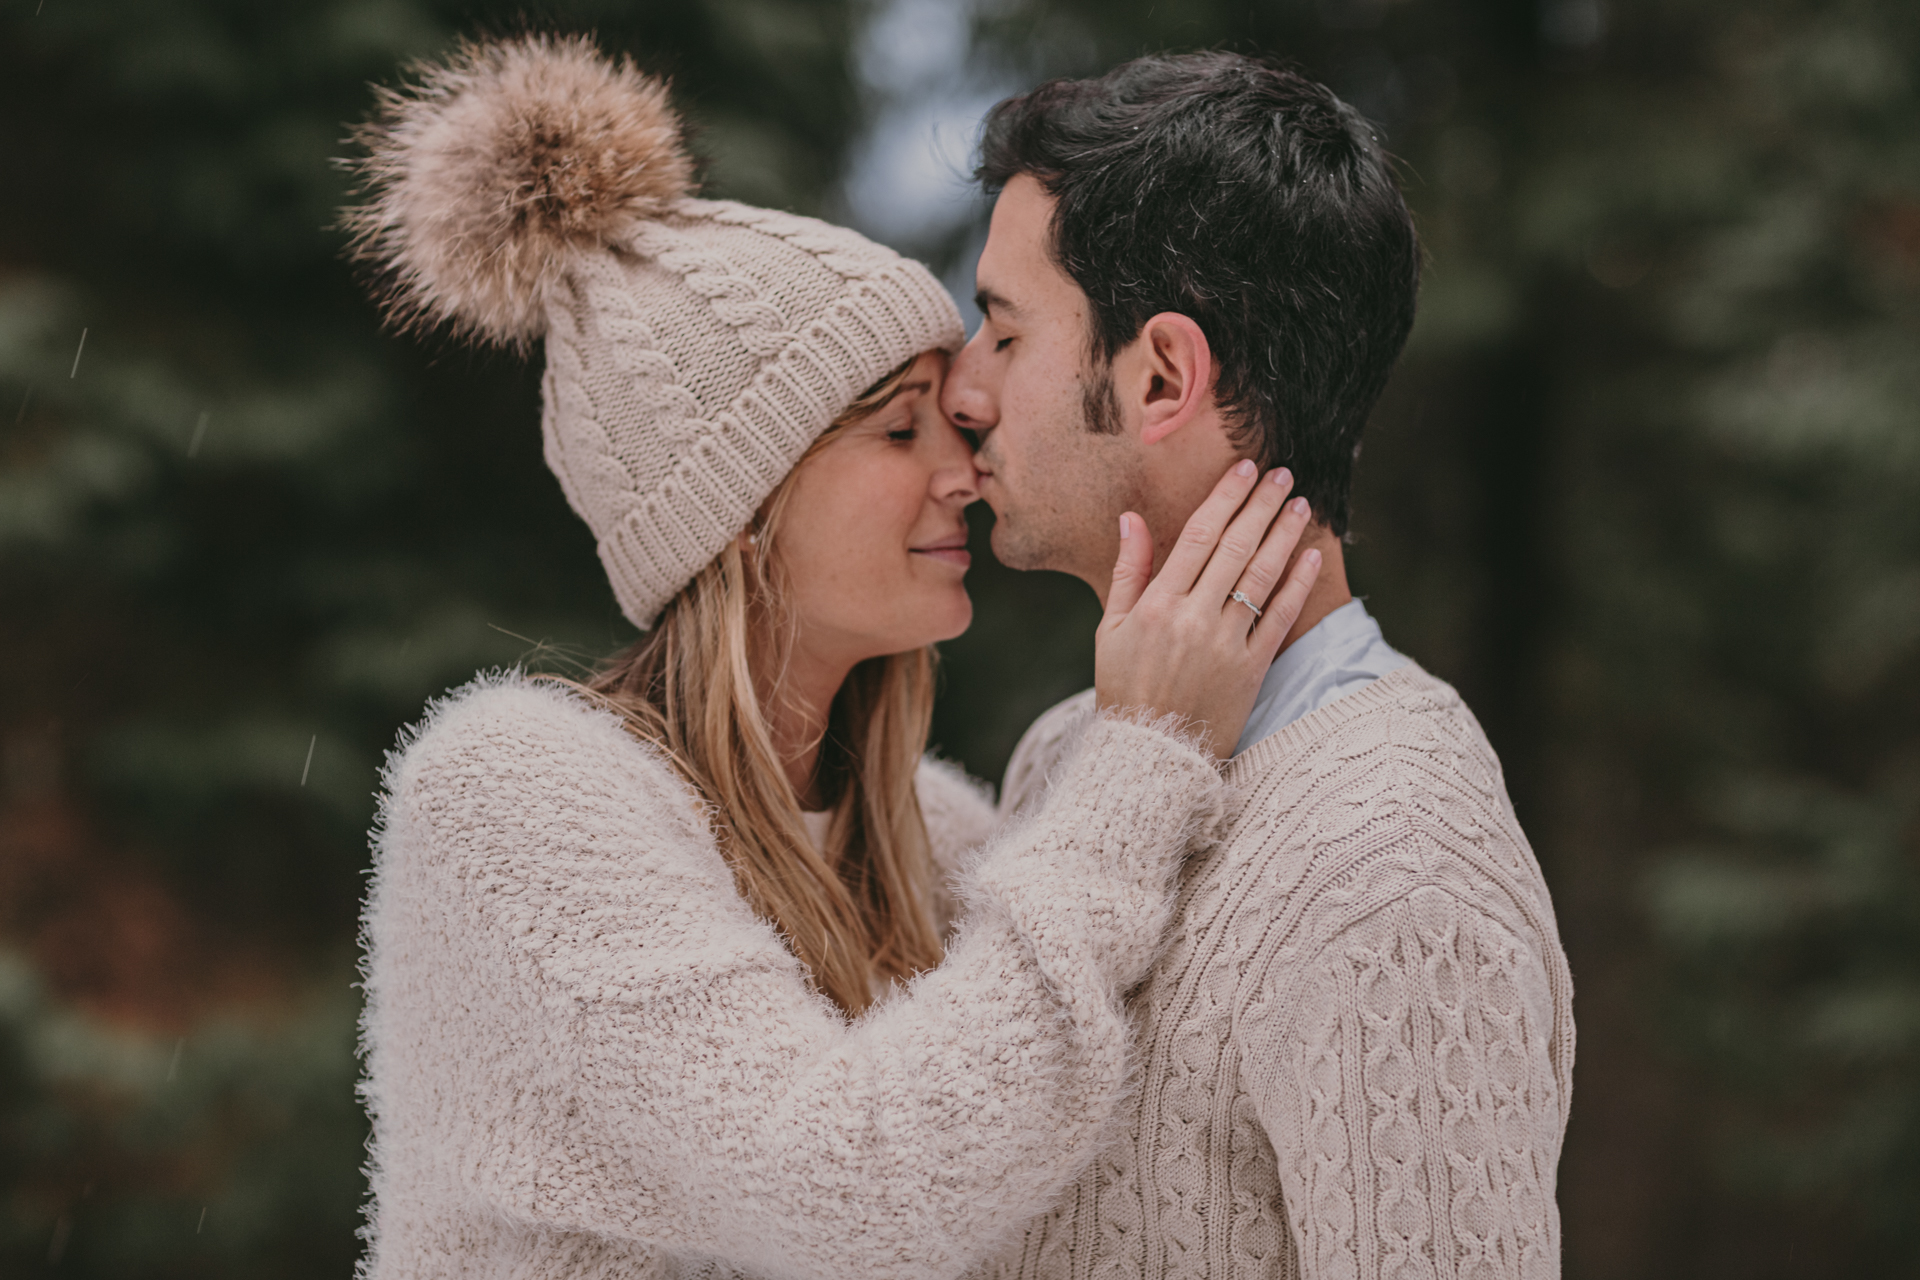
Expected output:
(1404, 1073)
(1039, 752)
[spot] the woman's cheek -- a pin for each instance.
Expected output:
(876, 533)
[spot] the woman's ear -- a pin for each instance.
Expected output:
(1176, 380)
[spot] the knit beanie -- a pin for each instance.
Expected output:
(534, 189)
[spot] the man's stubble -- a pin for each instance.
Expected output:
(1079, 476)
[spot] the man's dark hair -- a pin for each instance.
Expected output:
(1250, 199)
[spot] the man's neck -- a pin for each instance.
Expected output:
(1330, 589)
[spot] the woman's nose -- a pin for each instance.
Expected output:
(953, 475)
(964, 397)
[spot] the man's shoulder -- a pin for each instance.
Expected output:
(1408, 719)
(1392, 789)
(1046, 742)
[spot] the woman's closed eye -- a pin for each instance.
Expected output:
(904, 435)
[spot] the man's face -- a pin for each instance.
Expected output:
(1056, 483)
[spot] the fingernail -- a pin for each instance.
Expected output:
(1244, 468)
(1125, 531)
(1301, 507)
(1282, 476)
(1311, 556)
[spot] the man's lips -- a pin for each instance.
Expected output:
(949, 550)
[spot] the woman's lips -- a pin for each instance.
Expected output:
(948, 550)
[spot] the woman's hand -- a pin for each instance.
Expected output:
(1183, 644)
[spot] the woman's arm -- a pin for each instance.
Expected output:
(960, 817)
(1046, 742)
(633, 1053)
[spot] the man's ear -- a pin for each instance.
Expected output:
(1175, 377)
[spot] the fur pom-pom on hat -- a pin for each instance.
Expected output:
(488, 176)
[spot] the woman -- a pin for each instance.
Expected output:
(656, 975)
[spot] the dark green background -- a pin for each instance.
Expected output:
(1646, 487)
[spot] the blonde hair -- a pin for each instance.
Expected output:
(696, 685)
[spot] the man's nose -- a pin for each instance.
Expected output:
(964, 397)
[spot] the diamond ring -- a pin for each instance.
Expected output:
(1241, 596)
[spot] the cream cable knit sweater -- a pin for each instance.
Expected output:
(1358, 1043)
(587, 1057)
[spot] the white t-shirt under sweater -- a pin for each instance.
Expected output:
(817, 821)
(1358, 1043)
(588, 1058)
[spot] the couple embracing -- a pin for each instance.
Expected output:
(703, 968)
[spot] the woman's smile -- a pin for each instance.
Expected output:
(949, 550)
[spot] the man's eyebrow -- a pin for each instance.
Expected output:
(988, 301)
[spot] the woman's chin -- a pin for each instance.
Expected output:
(946, 617)
(915, 620)
(963, 619)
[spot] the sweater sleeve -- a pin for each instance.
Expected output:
(1047, 741)
(960, 817)
(1404, 1079)
(623, 1048)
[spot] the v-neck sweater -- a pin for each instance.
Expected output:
(1357, 1047)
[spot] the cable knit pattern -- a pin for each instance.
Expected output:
(1358, 1043)
(846, 251)
(586, 1056)
(734, 297)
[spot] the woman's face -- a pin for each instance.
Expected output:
(873, 536)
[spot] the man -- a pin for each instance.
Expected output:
(1357, 1047)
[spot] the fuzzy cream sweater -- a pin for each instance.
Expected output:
(586, 1057)
(1358, 1045)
